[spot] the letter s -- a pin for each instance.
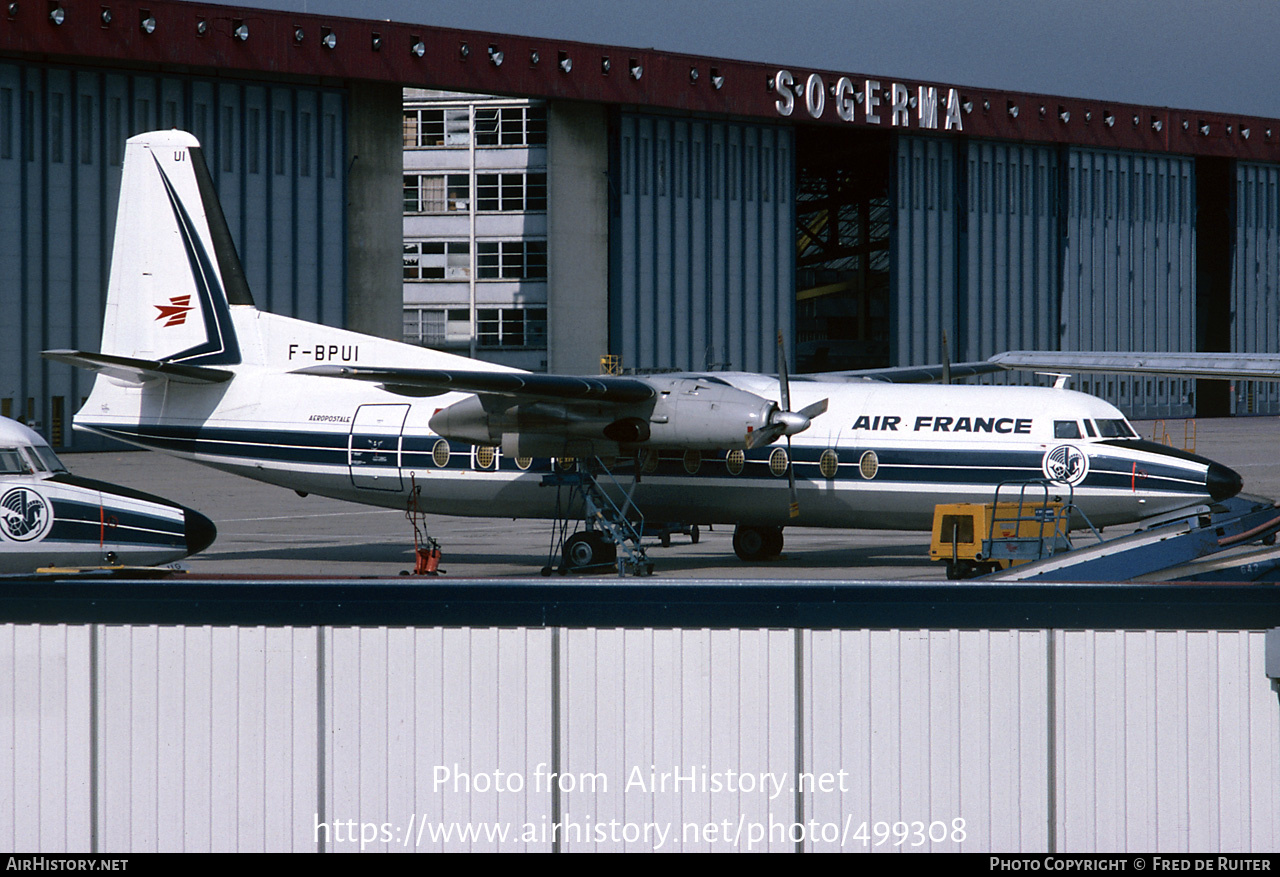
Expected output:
(782, 84)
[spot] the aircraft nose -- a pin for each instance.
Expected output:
(200, 531)
(1222, 482)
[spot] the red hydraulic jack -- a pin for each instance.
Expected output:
(426, 550)
(428, 558)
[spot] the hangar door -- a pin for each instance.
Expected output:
(1255, 281)
(977, 249)
(995, 247)
(276, 153)
(1129, 271)
(702, 243)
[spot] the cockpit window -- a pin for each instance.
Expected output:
(13, 463)
(47, 459)
(1066, 429)
(1115, 429)
(1088, 427)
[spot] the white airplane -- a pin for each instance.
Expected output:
(189, 366)
(51, 518)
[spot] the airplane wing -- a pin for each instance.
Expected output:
(1223, 366)
(907, 374)
(523, 385)
(537, 414)
(139, 371)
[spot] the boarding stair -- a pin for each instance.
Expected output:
(612, 524)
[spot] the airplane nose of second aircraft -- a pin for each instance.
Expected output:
(1222, 482)
(199, 530)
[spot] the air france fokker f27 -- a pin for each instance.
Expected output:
(189, 366)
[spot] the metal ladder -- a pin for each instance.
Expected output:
(615, 523)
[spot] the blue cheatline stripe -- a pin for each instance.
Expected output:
(220, 346)
(82, 522)
(897, 465)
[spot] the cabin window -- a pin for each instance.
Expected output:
(1115, 429)
(12, 463)
(46, 456)
(1066, 429)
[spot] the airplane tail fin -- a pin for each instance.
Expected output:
(174, 268)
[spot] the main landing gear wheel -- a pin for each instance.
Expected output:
(757, 543)
(586, 549)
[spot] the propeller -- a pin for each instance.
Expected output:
(786, 422)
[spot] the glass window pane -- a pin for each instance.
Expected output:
(512, 327)
(487, 192)
(512, 192)
(486, 126)
(536, 260)
(535, 327)
(536, 126)
(11, 462)
(535, 197)
(433, 194)
(488, 326)
(457, 127)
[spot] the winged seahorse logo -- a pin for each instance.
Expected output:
(24, 515)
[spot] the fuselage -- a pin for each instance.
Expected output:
(881, 457)
(51, 518)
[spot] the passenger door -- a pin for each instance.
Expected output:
(374, 447)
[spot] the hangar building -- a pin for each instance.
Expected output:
(695, 207)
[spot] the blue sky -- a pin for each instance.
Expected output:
(1206, 55)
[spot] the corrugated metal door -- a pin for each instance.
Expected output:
(277, 158)
(924, 250)
(1129, 271)
(1012, 242)
(702, 243)
(977, 250)
(1254, 281)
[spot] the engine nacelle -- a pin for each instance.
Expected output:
(685, 414)
(700, 414)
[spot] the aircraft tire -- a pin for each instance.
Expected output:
(587, 549)
(757, 543)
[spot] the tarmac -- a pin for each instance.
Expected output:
(270, 531)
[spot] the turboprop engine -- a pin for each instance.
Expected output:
(686, 413)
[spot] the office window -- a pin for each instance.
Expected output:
(511, 126)
(449, 126)
(437, 327)
(511, 260)
(437, 260)
(511, 327)
(436, 193)
(515, 191)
